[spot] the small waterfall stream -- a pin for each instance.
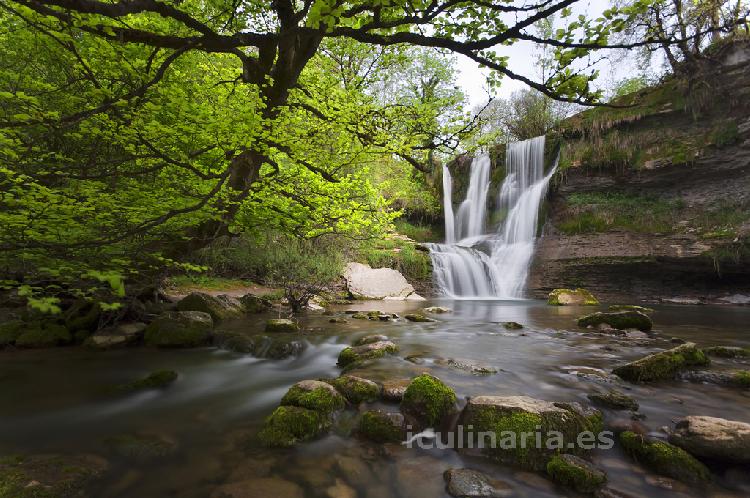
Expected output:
(474, 263)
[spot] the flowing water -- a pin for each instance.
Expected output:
(474, 263)
(53, 401)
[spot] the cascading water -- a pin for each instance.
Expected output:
(476, 264)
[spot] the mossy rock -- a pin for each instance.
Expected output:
(288, 425)
(439, 310)
(338, 319)
(83, 317)
(353, 355)
(727, 351)
(620, 320)
(179, 329)
(630, 307)
(417, 317)
(357, 389)
(512, 325)
(43, 335)
(564, 297)
(219, 307)
(9, 332)
(614, 399)
(155, 380)
(369, 339)
(49, 476)
(281, 325)
(664, 458)
(314, 395)
(255, 304)
(514, 422)
(575, 473)
(428, 400)
(140, 447)
(382, 427)
(663, 365)
(360, 316)
(740, 378)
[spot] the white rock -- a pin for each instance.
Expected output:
(365, 282)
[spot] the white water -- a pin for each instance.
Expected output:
(474, 263)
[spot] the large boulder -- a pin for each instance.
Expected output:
(179, 329)
(123, 334)
(219, 307)
(513, 422)
(281, 325)
(314, 395)
(428, 400)
(43, 334)
(356, 389)
(713, 438)
(664, 458)
(620, 320)
(564, 297)
(274, 346)
(382, 427)
(365, 282)
(663, 365)
(59, 476)
(351, 356)
(255, 304)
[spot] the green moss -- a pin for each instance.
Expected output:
(356, 390)
(614, 399)
(741, 378)
(155, 380)
(140, 446)
(664, 458)
(428, 399)
(56, 476)
(725, 133)
(347, 357)
(561, 297)
(9, 332)
(43, 335)
(321, 399)
(378, 427)
(630, 307)
(351, 356)
(620, 320)
(417, 317)
(179, 329)
(727, 351)
(400, 255)
(663, 365)
(575, 474)
(281, 325)
(288, 425)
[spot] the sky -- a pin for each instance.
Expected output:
(521, 56)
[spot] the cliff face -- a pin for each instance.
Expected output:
(652, 202)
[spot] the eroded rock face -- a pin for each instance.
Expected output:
(510, 418)
(365, 282)
(468, 483)
(663, 365)
(714, 438)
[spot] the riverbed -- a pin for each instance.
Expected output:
(56, 401)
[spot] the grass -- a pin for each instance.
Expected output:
(601, 212)
(207, 282)
(404, 257)
(420, 233)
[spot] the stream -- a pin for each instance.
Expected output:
(55, 401)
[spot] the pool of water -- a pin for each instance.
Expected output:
(55, 401)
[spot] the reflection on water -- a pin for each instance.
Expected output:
(55, 401)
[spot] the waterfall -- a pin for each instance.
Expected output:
(478, 264)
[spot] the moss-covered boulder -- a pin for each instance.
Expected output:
(727, 351)
(9, 332)
(664, 458)
(381, 427)
(140, 447)
(360, 316)
(417, 317)
(513, 422)
(663, 365)
(49, 476)
(179, 329)
(565, 297)
(714, 438)
(620, 320)
(288, 425)
(352, 355)
(615, 400)
(120, 335)
(369, 339)
(630, 307)
(356, 389)
(281, 325)
(43, 334)
(512, 325)
(255, 304)
(428, 400)
(219, 307)
(314, 395)
(155, 380)
(575, 473)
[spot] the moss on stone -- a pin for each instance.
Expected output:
(351, 356)
(180, 329)
(9, 332)
(281, 325)
(140, 447)
(379, 427)
(369, 339)
(48, 476)
(417, 317)
(630, 307)
(355, 389)
(663, 365)
(561, 297)
(428, 399)
(615, 400)
(155, 380)
(288, 425)
(727, 351)
(314, 395)
(359, 316)
(741, 378)
(43, 335)
(346, 357)
(620, 320)
(512, 325)
(664, 458)
(575, 473)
